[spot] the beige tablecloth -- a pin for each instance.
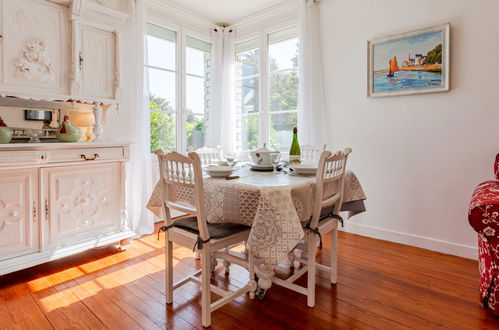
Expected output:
(272, 204)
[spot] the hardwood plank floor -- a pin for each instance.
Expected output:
(381, 285)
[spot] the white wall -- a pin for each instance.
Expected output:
(418, 157)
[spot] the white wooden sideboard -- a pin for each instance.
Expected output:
(58, 199)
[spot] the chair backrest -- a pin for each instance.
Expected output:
(209, 156)
(330, 183)
(311, 154)
(182, 187)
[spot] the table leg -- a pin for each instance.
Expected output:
(265, 275)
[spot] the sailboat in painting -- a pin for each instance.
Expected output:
(393, 66)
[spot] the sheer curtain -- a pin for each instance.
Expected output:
(139, 167)
(221, 119)
(312, 112)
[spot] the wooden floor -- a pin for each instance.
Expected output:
(381, 285)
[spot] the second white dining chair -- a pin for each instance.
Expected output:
(328, 196)
(182, 189)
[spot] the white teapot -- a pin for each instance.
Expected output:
(264, 156)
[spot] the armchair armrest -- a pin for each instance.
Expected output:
(483, 213)
(496, 167)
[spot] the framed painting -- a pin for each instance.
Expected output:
(409, 63)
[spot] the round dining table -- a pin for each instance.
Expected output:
(274, 204)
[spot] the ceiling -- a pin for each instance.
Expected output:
(223, 11)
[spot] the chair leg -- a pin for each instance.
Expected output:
(311, 252)
(227, 263)
(334, 257)
(205, 287)
(197, 255)
(169, 269)
(251, 270)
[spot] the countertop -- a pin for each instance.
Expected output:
(62, 145)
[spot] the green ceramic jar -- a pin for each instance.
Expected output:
(68, 132)
(5, 132)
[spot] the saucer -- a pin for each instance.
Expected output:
(256, 167)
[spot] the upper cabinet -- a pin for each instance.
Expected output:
(98, 63)
(61, 49)
(35, 48)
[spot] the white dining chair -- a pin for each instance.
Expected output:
(209, 156)
(328, 196)
(182, 190)
(310, 154)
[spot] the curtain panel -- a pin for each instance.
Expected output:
(221, 116)
(311, 105)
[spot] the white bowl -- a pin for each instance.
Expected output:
(304, 169)
(218, 168)
(219, 174)
(219, 171)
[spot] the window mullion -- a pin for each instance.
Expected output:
(181, 118)
(264, 88)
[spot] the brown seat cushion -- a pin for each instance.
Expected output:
(216, 230)
(325, 213)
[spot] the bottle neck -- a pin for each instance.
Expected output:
(295, 135)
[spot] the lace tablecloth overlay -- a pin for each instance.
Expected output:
(272, 204)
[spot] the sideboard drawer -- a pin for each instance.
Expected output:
(22, 157)
(85, 154)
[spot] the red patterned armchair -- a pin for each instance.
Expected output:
(484, 218)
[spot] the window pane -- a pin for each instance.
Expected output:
(195, 61)
(283, 87)
(247, 63)
(195, 95)
(283, 90)
(247, 126)
(162, 86)
(283, 54)
(161, 53)
(197, 68)
(247, 96)
(162, 131)
(195, 131)
(281, 130)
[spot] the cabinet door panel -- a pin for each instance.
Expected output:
(83, 202)
(98, 62)
(19, 232)
(36, 46)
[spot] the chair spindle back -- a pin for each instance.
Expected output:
(182, 187)
(330, 183)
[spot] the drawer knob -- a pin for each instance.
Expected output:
(95, 156)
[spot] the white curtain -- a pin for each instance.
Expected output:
(312, 112)
(139, 167)
(221, 119)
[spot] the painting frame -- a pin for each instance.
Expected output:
(445, 86)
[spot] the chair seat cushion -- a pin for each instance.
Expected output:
(216, 230)
(325, 213)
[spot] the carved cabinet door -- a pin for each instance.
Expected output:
(19, 225)
(80, 202)
(36, 47)
(97, 62)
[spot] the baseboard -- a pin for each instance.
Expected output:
(461, 250)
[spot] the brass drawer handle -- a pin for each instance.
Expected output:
(92, 158)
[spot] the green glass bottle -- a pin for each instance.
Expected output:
(295, 152)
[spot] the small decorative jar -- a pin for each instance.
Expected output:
(68, 132)
(5, 132)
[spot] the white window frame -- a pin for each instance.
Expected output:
(180, 82)
(263, 83)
